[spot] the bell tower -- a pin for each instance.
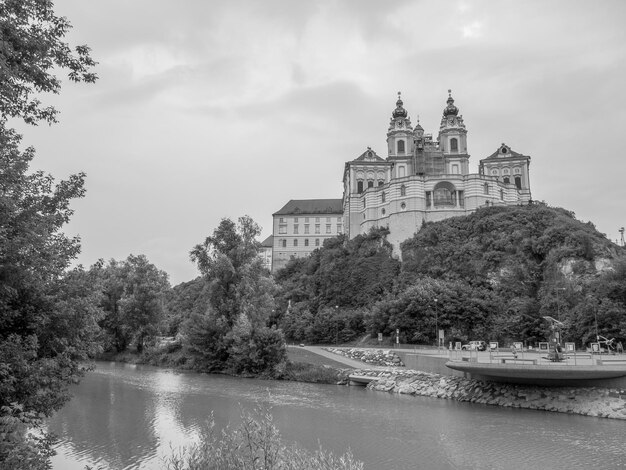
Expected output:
(453, 139)
(400, 133)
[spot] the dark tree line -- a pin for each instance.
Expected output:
(47, 321)
(491, 275)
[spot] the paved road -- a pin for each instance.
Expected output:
(344, 360)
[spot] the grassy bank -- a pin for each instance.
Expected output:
(302, 365)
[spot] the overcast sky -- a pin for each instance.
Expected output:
(207, 109)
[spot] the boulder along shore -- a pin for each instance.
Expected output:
(589, 401)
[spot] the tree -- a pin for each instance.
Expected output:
(134, 291)
(229, 261)
(32, 47)
(232, 333)
(46, 326)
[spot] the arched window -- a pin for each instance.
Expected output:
(486, 188)
(401, 146)
(518, 182)
(359, 187)
(444, 194)
(382, 197)
(380, 182)
(370, 184)
(454, 145)
(403, 190)
(507, 180)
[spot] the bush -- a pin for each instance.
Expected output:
(302, 372)
(254, 445)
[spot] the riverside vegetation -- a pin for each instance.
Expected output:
(492, 274)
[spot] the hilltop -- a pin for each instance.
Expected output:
(491, 275)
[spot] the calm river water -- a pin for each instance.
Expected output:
(129, 417)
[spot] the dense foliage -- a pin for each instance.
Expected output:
(47, 323)
(532, 261)
(32, 47)
(232, 332)
(325, 296)
(133, 292)
(491, 275)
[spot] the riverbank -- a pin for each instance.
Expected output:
(384, 366)
(303, 365)
(588, 401)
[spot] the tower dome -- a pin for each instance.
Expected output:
(450, 110)
(399, 111)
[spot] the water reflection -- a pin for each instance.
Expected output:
(126, 417)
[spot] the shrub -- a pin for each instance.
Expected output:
(254, 445)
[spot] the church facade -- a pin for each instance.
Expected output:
(422, 179)
(426, 179)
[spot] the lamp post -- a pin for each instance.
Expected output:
(336, 324)
(558, 311)
(595, 315)
(436, 325)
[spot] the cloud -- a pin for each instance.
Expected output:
(472, 30)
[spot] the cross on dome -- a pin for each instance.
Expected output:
(399, 111)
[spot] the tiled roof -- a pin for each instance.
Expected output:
(312, 206)
(268, 242)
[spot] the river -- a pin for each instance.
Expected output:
(129, 417)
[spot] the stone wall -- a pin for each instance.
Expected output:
(590, 401)
(375, 357)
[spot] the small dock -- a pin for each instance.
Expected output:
(363, 380)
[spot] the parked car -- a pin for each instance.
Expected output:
(475, 346)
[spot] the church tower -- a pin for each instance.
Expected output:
(453, 139)
(400, 133)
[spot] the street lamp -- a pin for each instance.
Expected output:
(336, 325)
(436, 325)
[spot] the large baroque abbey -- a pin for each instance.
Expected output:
(422, 179)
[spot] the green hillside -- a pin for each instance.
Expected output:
(491, 275)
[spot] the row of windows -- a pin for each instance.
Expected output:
(380, 183)
(370, 184)
(454, 145)
(505, 171)
(283, 243)
(282, 229)
(487, 188)
(507, 180)
(444, 195)
(283, 220)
